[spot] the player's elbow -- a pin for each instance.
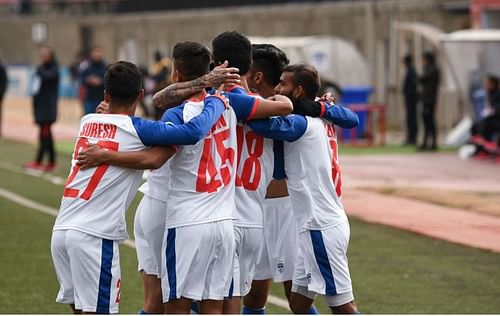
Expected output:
(158, 101)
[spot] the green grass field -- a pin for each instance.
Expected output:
(393, 271)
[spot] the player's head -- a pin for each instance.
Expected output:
(235, 48)
(123, 85)
(299, 82)
(428, 58)
(191, 60)
(267, 66)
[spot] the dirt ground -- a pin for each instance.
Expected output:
(435, 194)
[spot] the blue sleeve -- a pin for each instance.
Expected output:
(166, 133)
(289, 128)
(243, 105)
(341, 116)
(279, 161)
(174, 115)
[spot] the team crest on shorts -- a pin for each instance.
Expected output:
(281, 266)
(308, 276)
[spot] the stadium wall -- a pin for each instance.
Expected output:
(136, 36)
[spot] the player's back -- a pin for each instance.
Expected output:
(202, 176)
(95, 200)
(314, 176)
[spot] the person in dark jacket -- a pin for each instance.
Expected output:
(430, 87)
(93, 80)
(411, 98)
(3, 87)
(45, 108)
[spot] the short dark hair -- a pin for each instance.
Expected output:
(408, 59)
(270, 60)
(191, 59)
(305, 76)
(235, 48)
(429, 56)
(495, 81)
(123, 82)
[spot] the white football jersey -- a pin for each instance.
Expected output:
(95, 200)
(157, 183)
(254, 172)
(314, 182)
(202, 176)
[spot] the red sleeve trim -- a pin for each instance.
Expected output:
(254, 109)
(323, 109)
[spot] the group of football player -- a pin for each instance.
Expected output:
(245, 188)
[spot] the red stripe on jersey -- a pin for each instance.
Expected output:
(254, 109)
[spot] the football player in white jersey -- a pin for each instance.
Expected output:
(148, 229)
(314, 184)
(280, 246)
(187, 287)
(91, 221)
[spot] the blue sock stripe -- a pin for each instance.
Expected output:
(103, 297)
(170, 254)
(323, 262)
(253, 311)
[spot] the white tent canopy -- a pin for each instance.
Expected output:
(337, 60)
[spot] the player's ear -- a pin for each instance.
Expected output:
(140, 97)
(258, 77)
(298, 92)
(106, 97)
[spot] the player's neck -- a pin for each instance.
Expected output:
(121, 109)
(244, 83)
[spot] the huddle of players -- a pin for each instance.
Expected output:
(212, 226)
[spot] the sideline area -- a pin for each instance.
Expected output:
(412, 170)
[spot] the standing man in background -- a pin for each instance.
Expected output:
(3, 87)
(411, 97)
(45, 108)
(160, 73)
(430, 87)
(93, 80)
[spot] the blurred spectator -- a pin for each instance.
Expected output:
(45, 108)
(430, 87)
(411, 98)
(76, 68)
(489, 126)
(160, 73)
(3, 87)
(92, 78)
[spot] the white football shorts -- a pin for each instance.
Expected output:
(197, 261)
(88, 270)
(322, 266)
(149, 228)
(277, 260)
(248, 246)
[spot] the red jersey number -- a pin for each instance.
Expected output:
(96, 177)
(252, 169)
(210, 179)
(336, 178)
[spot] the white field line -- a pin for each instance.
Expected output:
(129, 243)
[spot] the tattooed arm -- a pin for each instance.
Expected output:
(180, 91)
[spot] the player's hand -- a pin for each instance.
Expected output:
(219, 93)
(328, 97)
(102, 108)
(90, 157)
(222, 75)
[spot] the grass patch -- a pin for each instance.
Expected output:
(393, 271)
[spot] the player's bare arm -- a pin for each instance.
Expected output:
(275, 105)
(178, 92)
(151, 158)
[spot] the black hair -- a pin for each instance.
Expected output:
(235, 48)
(123, 82)
(429, 56)
(495, 81)
(191, 59)
(408, 59)
(270, 60)
(305, 76)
